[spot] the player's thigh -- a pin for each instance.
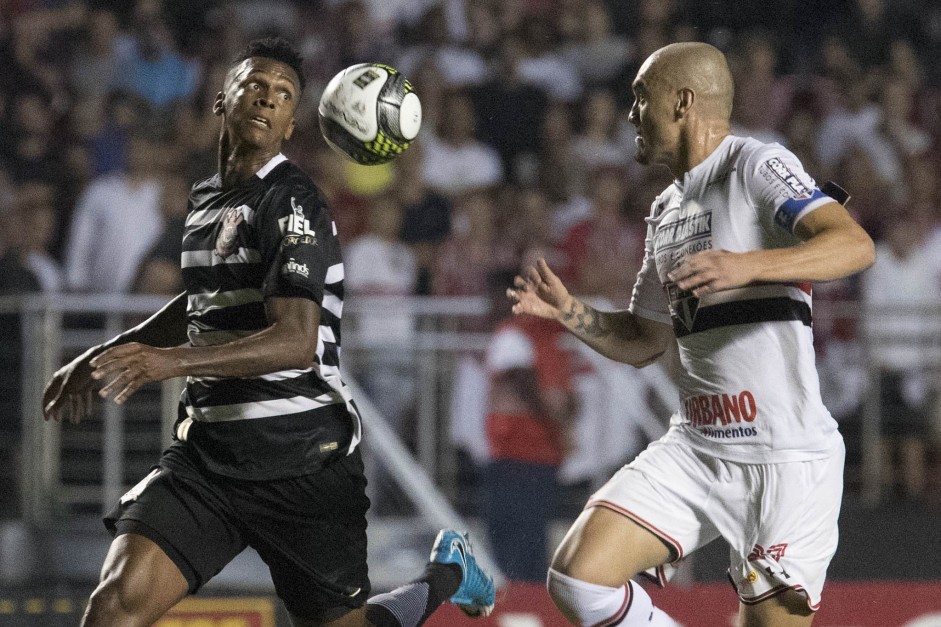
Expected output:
(311, 532)
(137, 579)
(183, 509)
(648, 514)
(788, 609)
(607, 548)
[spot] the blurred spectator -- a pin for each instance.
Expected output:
(27, 264)
(198, 126)
(897, 101)
(458, 65)
(378, 263)
(902, 300)
(456, 162)
(97, 65)
(859, 122)
(524, 232)
(542, 65)
(356, 37)
(604, 251)
(115, 223)
(32, 150)
(106, 135)
(762, 97)
(509, 110)
(597, 53)
(874, 24)
(160, 271)
(603, 140)
(467, 256)
(155, 70)
(426, 222)
(530, 405)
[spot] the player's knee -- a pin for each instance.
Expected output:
(584, 603)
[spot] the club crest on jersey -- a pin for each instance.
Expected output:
(683, 305)
(798, 190)
(227, 240)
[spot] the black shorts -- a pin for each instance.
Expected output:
(309, 530)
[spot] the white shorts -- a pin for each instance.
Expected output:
(780, 519)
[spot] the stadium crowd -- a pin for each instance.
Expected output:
(525, 151)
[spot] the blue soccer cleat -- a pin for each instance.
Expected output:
(476, 595)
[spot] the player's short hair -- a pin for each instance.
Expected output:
(278, 49)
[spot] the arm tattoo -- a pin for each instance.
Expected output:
(586, 320)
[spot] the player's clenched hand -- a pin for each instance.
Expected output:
(125, 368)
(538, 291)
(712, 271)
(69, 390)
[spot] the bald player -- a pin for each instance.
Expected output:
(752, 455)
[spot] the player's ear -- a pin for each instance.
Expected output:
(684, 102)
(218, 107)
(290, 130)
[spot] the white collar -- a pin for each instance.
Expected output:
(271, 165)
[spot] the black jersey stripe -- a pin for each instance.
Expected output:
(780, 309)
(250, 316)
(227, 278)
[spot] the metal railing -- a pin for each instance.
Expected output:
(50, 336)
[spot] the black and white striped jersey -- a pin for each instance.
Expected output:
(272, 236)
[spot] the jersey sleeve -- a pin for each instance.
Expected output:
(648, 299)
(780, 187)
(296, 241)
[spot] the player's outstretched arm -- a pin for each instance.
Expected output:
(288, 342)
(834, 246)
(69, 391)
(618, 335)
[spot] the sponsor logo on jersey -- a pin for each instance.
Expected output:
(798, 190)
(293, 267)
(726, 434)
(227, 240)
(296, 228)
(721, 409)
(678, 232)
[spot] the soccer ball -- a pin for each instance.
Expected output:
(369, 113)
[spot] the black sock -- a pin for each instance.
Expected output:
(412, 604)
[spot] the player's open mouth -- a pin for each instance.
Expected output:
(260, 121)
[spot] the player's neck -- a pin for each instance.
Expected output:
(696, 145)
(239, 163)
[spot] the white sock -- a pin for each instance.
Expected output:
(591, 605)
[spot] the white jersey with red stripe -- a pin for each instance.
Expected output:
(748, 386)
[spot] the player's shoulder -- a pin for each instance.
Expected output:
(753, 153)
(288, 181)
